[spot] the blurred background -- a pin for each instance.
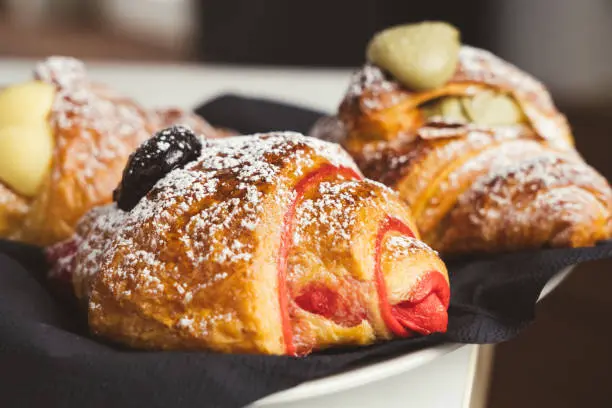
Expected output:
(565, 358)
(563, 42)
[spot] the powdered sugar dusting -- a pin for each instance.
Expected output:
(488, 161)
(258, 158)
(203, 216)
(474, 138)
(552, 182)
(539, 171)
(333, 210)
(478, 65)
(328, 218)
(371, 88)
(369, 85)
(65, 72)
(105, 121)
(95, 131)
(402, 246)
(532, 175)
(543, 200)
(80, 103)
(183, 256)
(93, 240)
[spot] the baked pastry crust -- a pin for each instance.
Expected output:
(268, 244)
(95, 129)
(377, 107)
(451, 174)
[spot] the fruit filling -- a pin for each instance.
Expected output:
(324, 172)
(329, 302)
(425, 311)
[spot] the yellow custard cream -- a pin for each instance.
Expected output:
(26, 142)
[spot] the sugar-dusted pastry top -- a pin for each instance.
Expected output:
(104, 121)
(94, 114)
(371, 90)
(236, 167)
(475, 65)
(439, 139)
(529, 199)
(76, 148)
(270, 243)
(94, 129)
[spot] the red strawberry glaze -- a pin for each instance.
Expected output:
(311, 179)
(425, 313)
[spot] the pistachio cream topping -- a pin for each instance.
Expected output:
(421, 56)
(493, 108)
(26, 140)
(486, 108)
(450, 108)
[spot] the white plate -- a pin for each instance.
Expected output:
(378, 371)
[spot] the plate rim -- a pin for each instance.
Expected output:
(359, 376)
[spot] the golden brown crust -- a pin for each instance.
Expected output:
(436, 176)
(13, 208)
(435, 166)
(194, 264)
(377, 107)
(333, 246)
(544, 199)
(95, 130)
(207, 275)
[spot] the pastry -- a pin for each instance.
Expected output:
(64, 141)
(474, 146)
(270, 243)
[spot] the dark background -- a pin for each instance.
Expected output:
(320, 32)
(565, 358)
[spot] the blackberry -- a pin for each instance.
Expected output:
(167, 150)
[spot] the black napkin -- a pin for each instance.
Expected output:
(48, 359)
(252, 115)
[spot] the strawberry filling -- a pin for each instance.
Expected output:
(332, 304)
(425, 312)
(311, 179)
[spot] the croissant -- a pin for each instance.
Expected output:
(483, 158)
(270, 243)
(64, 141)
